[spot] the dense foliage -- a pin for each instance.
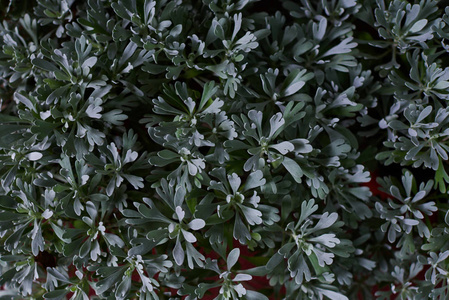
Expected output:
(156, 149)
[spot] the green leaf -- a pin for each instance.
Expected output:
(45, 65)
(293, 168)
(112, 275)
(56, 294)
(209, 90)
(123, 288)
(295, 81)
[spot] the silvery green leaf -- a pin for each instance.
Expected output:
(412, 14)
(113, 239)
(326, 220)
(232, 258)
(136, 181)
(47, 214)
(237, 25)
(85, 248)
(37, 240)
(180, 213)
(92, 210)
(179, 197)
(89, 63)
(283, 147)
(332, 294)
(324, 258)
(110, 187)
(193, 170)
(302, 145)
(419, 25)
(327, 239)
(95, 251)
(441, 85)
(418, 196)
(410, 222)
(194, 255)
(319, 29)
(115, 117)
(240, 290)
(252, 215)
(175, 31)
(345, 46)
(234, 182)
(214, 107)
(188, 236)
(196, 224)
(307, 208)
(93, 110)
(252, 163)
(94, 136)
(218, 29)
(178, 253)
(242, 277)
(254, 180)
(241, 232)
(392, 232)
(256, 117)
(253, 295)
(276, 123)
(34, 156)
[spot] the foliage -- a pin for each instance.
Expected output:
(155, 149)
